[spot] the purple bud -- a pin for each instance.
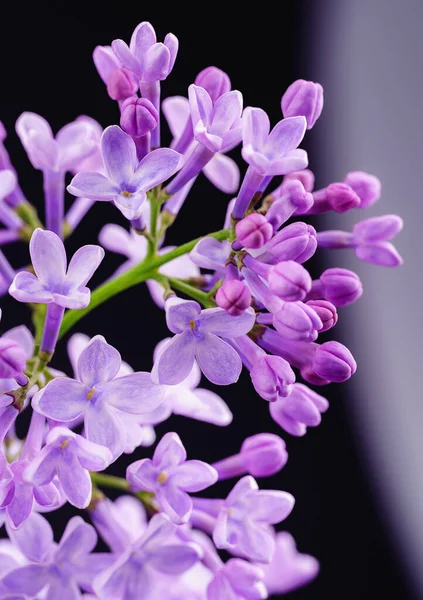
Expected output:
(289, 280)
(326, 311)
(264, 454)
(341, 286)
(215, 81)
(254, 231)
(300, 410)
(12, 360)
(121, 84)
(334, 362)
(341, 197)
(138, 116)
(298, 195)
(272, 377)
(297, 241)
(377, 229)
(303, 98)
(368, 187)
(383, 254)
(234, 296)
(306, 177)
(297, 321)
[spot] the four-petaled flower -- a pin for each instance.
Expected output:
(171, 477)
(99, 396)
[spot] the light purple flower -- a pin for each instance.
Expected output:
(134, 246)
(303, 98)
(289, 569)
(6, 478)
(146, 58)
(121, 83)
(73, 143)
(272, 152)
(238, 580)
(301, 409)
(127, 180)
(13, 357)
(243, 520)
(171, 477)
(59, 568)
(70, 457)
(53, 281)
(134, 574)
(99, 396)
(198, 337)
(221, 171)
(211, 254)
(120, 523)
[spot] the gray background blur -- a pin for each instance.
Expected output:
(368, 56)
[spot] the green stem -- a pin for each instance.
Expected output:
(110, 481)
(27, 213)
(193, 292)
(145, 270)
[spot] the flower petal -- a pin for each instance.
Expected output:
(93, 185)
(105, 61)
(98, 363)
(219, 322)
(295, 160)
(202, 405)
(34, 538)
(223, 172)
(176, 361)
(270, 506)
(226, 112)
(82, 266)
(28, 580)
(255, 127)
(62, 399)
(170, 451)
(156, 63)
(124, 54)
(102, 426)
(156, 168)
(116, 239)
(180, 313)
(79, 538)
(43, 467)
(23, 337)
(77, 342)
(177, 114)
(175, 558)
(48, 257)
(28, 288)
(92, 456)
(194, 476)
(135, 393)
(219, 362)
(201, 105)
(75, 480)
(285, 136)
(20, 508)
(142, 38)
(211, 254)
(119, 155)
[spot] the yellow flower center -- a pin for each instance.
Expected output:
(91, 393)
(192, 324)
(162, 477)
(65, 444)
(126, 194)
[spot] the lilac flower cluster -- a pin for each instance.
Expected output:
(246, 299)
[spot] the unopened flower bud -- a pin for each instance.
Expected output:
(138, 116)
(326, 311)
(341, 197)
(377, 229)
(215, 81)
(272, 377)
(298, 322)
(289, 280)
(334, 362)
(264, 454)
(297, 242)
(368, 187)
(254, 231)
(341, 286)
(305, 177)
(12, 360)
(121, 84)
(234, 296)
(300, 410)
(303, 98)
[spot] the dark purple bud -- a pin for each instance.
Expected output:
(334, 362)
(264, 454)
(326, 311)
(138, 116)
(341, 286)
(297, 241)
(289, 280)
(272, 377)
(215, 81)
(12, 361)
(305, 177)
(377, 229)
(254, 231)
(121, 84)
(341, 197)
(303, 98)
(368, 187)
(234, 296)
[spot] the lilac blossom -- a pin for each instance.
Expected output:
(171, 477)
(13, 359)
(99, 396)
(238, 580)
(303, 98)
(61, 569)
(134, 574)
(198, 337)
(289, 569)
(242, 522)
(119, 523)
(127, 181)
(301, 409)
(70, 457)
(120, 82)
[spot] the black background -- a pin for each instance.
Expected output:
(46, 67)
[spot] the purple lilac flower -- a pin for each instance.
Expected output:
(134, 574)
(134, 246)
(12, 360)
(119, 523)
(198, 338)
(242, 523)
(301, 409)
(70, 457)
(303, 98)
(289, 569)
(171, 477)
(238, 580)
(120, 82)
(99, 396)
(221, 171)
(62, 569)
(127, 180)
